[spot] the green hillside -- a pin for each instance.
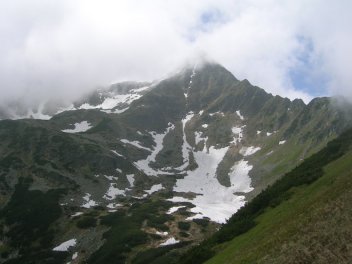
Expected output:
(306, 217)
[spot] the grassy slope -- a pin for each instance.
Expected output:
(313, 226)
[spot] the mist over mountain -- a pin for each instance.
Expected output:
(64, 49)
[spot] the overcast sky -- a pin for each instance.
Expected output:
(61, 48)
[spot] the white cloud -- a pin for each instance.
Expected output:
(62, 48)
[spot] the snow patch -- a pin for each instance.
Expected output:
(282, 142)
(116, 153)
(154, 189)
(190, 81)
(66, 245)
(186, 147)
(170, 241)
(205, 126)
(140, 197)
(239, 115)
(161, 233)
(144, 164)
(75, 255)
(197, 216)
(130, 178)
(134, 143)
(114, 101)
(269, 153)
(79, 127)
(247, 151)
(113, 192)
(111, 178)
(198, 137)
(88, 202)
(139, 90)
(217, 113)
(77, 214)
(174, 209)
(238, 134)
(270, 133)
(113, 205)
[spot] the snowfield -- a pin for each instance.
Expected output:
(213, 200)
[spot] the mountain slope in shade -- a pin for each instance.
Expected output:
(139, 169)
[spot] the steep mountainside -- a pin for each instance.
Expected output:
(140, 170)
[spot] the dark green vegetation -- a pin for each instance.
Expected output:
(184, 226)
(86, 222)
(126, 230)
(27, 223)
(159, 255)
(268, 212)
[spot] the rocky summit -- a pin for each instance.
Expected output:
(140, 172)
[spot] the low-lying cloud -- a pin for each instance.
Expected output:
(62, 48)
